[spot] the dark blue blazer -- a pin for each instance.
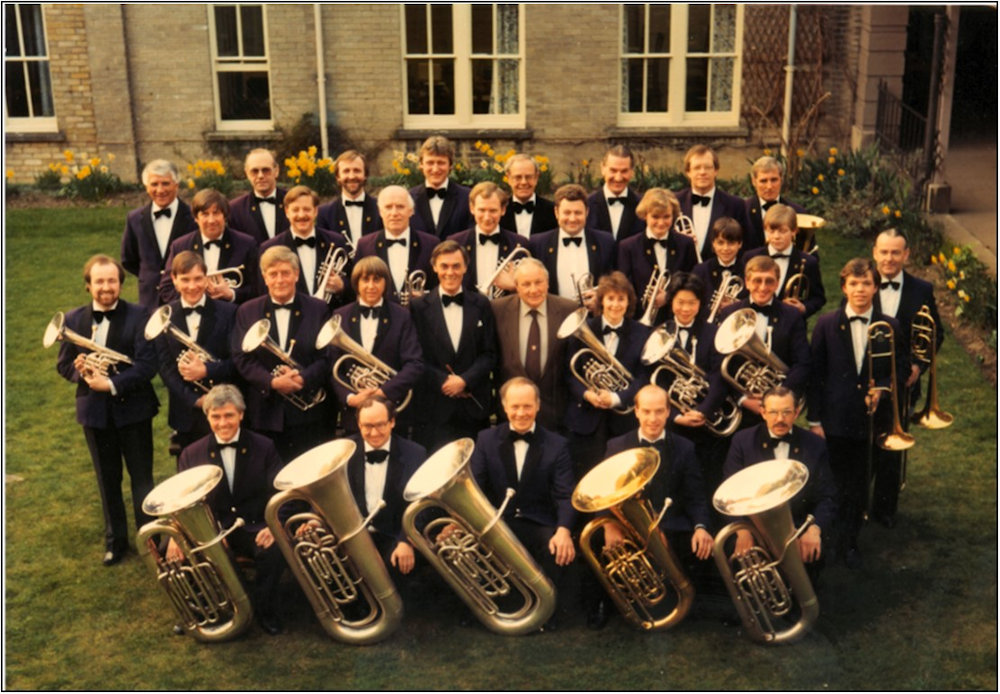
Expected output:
(546, 484)
(474, 360)
(405, 457)
(542, 219)
(598, 216)
(600, 253)
(333, 215)
(710, 275)
(806, 264)
(237, 249)
(324, 240)
(135, 400)
(707, 359)
(678, 477)
(421, 247)
(818, 496)
(455, 215)
(723, 205)
(509, 240)
(214, 334)
(753, 235)
(141, 253)
(244, 215)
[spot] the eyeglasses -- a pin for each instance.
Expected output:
(779, 413)
(374, 426)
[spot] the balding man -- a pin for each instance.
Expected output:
(260, 212)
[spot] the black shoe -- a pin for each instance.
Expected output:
(270, 624)
(111, 557)
(853, 559)
(598, 616)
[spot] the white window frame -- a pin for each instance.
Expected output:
(31, 124)
(239, 63)
(463, 56)
(676, 116)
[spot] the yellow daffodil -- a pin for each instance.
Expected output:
(820, 178)
(840, 172)
(956, 250)
(832, 160)
(951, 266)
(95, 162)
(83, 173)
(833, 151)
(800, 152)
(767, 152)
(815, 190)
(885, 209)
(68, 154)
(934, 260)
(942, 258)
(191, 183)
(951, 284)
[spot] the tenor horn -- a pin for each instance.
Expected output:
(99, 360)
(475, 552)
(601, 370)
(636, 573)
(760, 370)
(923, 341)
(684, 225)
(329, 550)
(159, 323)
(259, 336)
(769, 580)
(204, 586)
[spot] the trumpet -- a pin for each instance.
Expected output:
(258, 336)
(760, 370)
(797, 286)
(414, 285)
(635, 574)
(159, 323)
(684, 225)
(923, 341)
(756, 582)
(329, 550)
(727, 293)
(657, 283)
(601, 371)
(475, 552)
(584, 286)
(99, 361)
(233, 282)
(362, 370)
(690, 386)
(488, 289)
(204, 587)
(333, 264)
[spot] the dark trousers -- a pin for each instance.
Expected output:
(108, 447)
(268, 563)
(848, 462)
(535, 538)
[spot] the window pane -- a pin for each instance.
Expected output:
(32, 29)
(507, 29)
(441, 28)
(632, 85)
(41, 89)
(252, 17)
(12, 47)
(244, 96)
(634, 28)
(722, 84)
(699, 25)
(226, 41)
(482, 85)
(418, 92)
(416, 28)
(697, 84)
(16, 92)
(482, 29)
(659, 28)
(657, 81)
(724, 29)
(444, 87)
(508, 88)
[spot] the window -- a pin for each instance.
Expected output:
(239, 51)
(680, 64)
(28, 88)
(463, 66)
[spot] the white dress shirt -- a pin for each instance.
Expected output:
(453, 320)
(399, 258)
(889, 297)
(436, 203)
(700, 217)
(523, 218)
(615, 211)
(573, 263)
(229, 458)
(375, 476)
(307, 259)
(487, 256)
(163, 225)
(859, 334)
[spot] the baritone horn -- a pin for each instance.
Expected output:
(99, 360)
(232, 276)
(657, 283)
(357, 369)
(923, 341)
(204, 586)
(475, 552)
(159, 323)
(259, 336)
(601, 370)
(488, 289)
(334, 262)
(759, 370)
(635, 573)
(770, 579)
(727, 293)
(328, 547)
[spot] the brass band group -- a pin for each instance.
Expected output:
(479, 385)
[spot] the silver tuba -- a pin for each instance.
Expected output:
(329, 550)
(259, 336)
(727, 293)
(204, 587)
(356, 370)
(658, 282)
(760, 370)
(100, 359)
(413, 285)
(159, 323)
(601, 370)
(472, 548)
(770, 579)
(487, 288)
(333, 264)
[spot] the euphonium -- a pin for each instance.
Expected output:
(159, 323)
(414, 284)
(333, 264)
(763, 589)
(882, 332)
(727, 293)
(205, 586)
(923, 347)
(487, 288)
(601, 371)
(329, 550)
(760, 370)
(100, 359)
(690, 386)
(259, 336)
(797, 286)
(636, 573)
(472, 548)
(233, 282)
(361, 369)
(658, 281)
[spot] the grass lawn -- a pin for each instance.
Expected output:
(922, 614)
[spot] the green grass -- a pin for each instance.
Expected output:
(921, 615)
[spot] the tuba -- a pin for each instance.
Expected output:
(100, 359)
(727, 293)
(636, 573)
(414, 285)
(657, 283)
(235, 281)
(760, 370)
(259, 336)
(329, 550)
(764, 590)
(472, 548)
(361, 369)
(205, 586)
(601, 371)
(159, 323)
(690, 384)
(333, 264)
(487, 288)
(923, 342)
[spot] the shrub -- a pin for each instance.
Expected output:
(967, 278)
(88, 178)
(318, 174)
(210, 173)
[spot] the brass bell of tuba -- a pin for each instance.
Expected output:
(329, 550)
(770, 580)
(636, 573)
(475, 552)
(204, 587)
(760, 370)
(601, 371)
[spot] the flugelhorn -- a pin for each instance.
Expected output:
(601, 371)
(636, 573)
(328, 547)
(234, 282)
(259, 336)
(100, 360)
(761, 370)
(690, 385)
(475, 552)
(159, 323)
(413, 285)
(333, 264)
(769, 580)
(488, 289)
(204, 586)
(657, 283)
(356, 369)
(727, 293)
(923, 347)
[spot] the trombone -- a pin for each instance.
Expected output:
(233, 282)
(259, 336)
(923, 341)
(488, 289)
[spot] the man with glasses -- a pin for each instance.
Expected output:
(260, 212)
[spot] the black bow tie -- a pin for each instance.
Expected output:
(390, 242)
(765, 309)
(213, 242)
(101, 315)
(376, 457)
(608, 329)
(354, 203)
(165, 212)
(769, 204)
(520, 207)
(890, 283)
(702, 200)
(271, 200)
(288, 307)
(576, 240)
(223, 446)
(436, 193)
(527, 436)
(787, 438)
(646, 442)
(620, 200)
(187, 311)
(311, 242)
(489, 238)
(370, 311)
(860, 318)
(448, 299)
(776, 256)
(662, 243)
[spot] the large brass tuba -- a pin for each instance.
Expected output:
(357, 369)
(205, 586)
(760, 370)
(472, 548)
(159, 323)
(923, 347)
(768, 581)
(636, 573)
(601, 370)
(259, 336)
(329, 550)
(100, 359)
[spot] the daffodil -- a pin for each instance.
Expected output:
(68, 154)
(833, 151)
(832, 160)
(800, 152)
(951, 266)
(840, 172)
(95, 162)
(942, 258)
(767, 152)
(956, 250)
(885, 209)
(820, 178)
(951, 284)
(934, 260)
(898, 213)
(815, 190)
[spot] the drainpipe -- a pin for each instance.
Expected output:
(786, 124)
(321, 80)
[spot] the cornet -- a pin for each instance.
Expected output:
(797, 286)
(760, 370)
(727, 293)
(414, 285)
(584, 285)
(333, 264)
(488, 289)
(99, 361)
(923, 347)
(233, 282)
(159, 323)
(657, 283)
(601, 371)
(258, 336)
